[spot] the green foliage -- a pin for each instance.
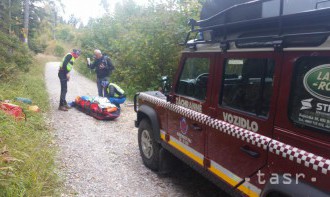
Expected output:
(141, 41)
(27, 152)
(14, 56)
(37, 15)
(65, 33)
(59, 51)
(37, 45)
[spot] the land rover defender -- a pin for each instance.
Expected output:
(249, 106)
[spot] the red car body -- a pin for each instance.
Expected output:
(253, 119)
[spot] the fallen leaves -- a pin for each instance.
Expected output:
(5, 156)
(5, 159)
(6, 171)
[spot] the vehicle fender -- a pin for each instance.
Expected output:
(290, 187)
(146, 111)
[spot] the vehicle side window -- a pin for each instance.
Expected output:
(248, 85)
(194, 77)
(309, 103)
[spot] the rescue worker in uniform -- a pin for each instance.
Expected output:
(64, 75)
(115, 94)
(103, 68)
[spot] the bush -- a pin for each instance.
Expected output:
(63, 33)
(59, 51)
(37, 46)
(6, 69)
(22, 61)
(14, 56)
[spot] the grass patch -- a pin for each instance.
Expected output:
(27, 150)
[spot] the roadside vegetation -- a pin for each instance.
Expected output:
(27, 151)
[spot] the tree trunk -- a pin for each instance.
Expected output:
(9, 14)
(26, 20)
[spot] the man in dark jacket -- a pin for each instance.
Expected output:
(103, 67)
(64, 75)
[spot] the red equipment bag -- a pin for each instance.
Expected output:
(13, 110)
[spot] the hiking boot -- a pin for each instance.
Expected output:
(67, 106)
(62, 108)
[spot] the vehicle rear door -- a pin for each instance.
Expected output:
(246, 93)
(190, 100)
(302, 124)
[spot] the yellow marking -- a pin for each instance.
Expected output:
(248, 191)
(162, 136)
(186, 152)
(217, 172)
(223, 176)
(232, 182)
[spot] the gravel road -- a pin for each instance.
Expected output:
(101, 158)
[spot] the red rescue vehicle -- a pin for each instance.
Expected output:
(249, 106)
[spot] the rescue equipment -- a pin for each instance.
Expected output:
(34, 108)
(24, 100)
(13, 110)
(98, 107)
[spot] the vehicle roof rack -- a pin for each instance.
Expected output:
(308, 28)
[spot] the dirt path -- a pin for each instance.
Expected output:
(101, 158)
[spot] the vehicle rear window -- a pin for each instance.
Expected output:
(194, 78)
(248, 85)
(309, 103)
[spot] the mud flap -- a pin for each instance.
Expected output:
(167, 161)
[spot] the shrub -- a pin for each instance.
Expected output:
(63, 33)
(14, 56)
(59, 51)
(37, 46)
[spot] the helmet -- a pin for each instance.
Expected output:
(104, 83)
(76, 52)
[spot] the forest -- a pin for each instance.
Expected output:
(138, 38)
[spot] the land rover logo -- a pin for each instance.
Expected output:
(317, 82)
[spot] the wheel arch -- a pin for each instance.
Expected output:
(147, 112)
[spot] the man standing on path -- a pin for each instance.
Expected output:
(64, 75)
(103, 67)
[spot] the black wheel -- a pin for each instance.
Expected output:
(149, 148)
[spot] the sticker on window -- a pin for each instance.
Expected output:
(315, 113)
(310, 97)
(317, 82)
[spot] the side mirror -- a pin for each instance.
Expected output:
(165, 85)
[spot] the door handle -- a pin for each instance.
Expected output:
(250, 152)
(196, 127)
